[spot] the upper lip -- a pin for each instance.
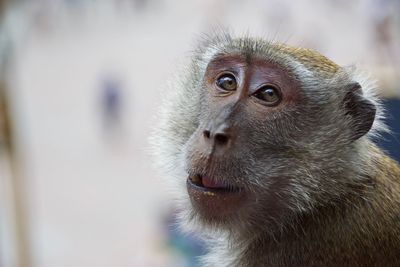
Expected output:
(207, 183)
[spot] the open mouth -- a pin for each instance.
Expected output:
(204, 183)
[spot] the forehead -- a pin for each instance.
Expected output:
(256, 66)
(298, 61)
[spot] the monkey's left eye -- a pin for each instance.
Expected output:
(227, 82)
(268, 94)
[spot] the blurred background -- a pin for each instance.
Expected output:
(80, 84)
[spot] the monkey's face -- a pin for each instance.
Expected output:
(274, 137)
(264, 131)
(238, 158)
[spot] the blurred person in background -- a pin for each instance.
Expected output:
(111, 106)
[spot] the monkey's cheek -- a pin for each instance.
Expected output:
(214, 204)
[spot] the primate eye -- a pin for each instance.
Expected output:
(227, 82)
(269, 94)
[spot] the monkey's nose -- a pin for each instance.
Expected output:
(219, 138)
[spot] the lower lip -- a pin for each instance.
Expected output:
(215, 203)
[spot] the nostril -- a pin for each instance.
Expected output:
(206, 134)
(221, 139)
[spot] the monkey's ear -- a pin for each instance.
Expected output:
(360, 109)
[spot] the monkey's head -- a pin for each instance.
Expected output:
(257, 132)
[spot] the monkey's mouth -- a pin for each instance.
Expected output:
(204, 183)
(214, 200)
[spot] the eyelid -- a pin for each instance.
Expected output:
(273, 85)
(225, 72)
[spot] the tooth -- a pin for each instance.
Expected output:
(196, 179)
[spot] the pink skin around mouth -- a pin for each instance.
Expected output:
(214, 200)
(208, 183)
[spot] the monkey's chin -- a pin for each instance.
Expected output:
(214, 201)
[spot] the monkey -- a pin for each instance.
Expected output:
(271, 152)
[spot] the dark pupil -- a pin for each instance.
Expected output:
(270, 93)
(267, 94)
(227, 83)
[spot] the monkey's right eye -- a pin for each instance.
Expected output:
(227, 82)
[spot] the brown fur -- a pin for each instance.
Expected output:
(360, 230)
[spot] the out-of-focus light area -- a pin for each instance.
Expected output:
(80, 84)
